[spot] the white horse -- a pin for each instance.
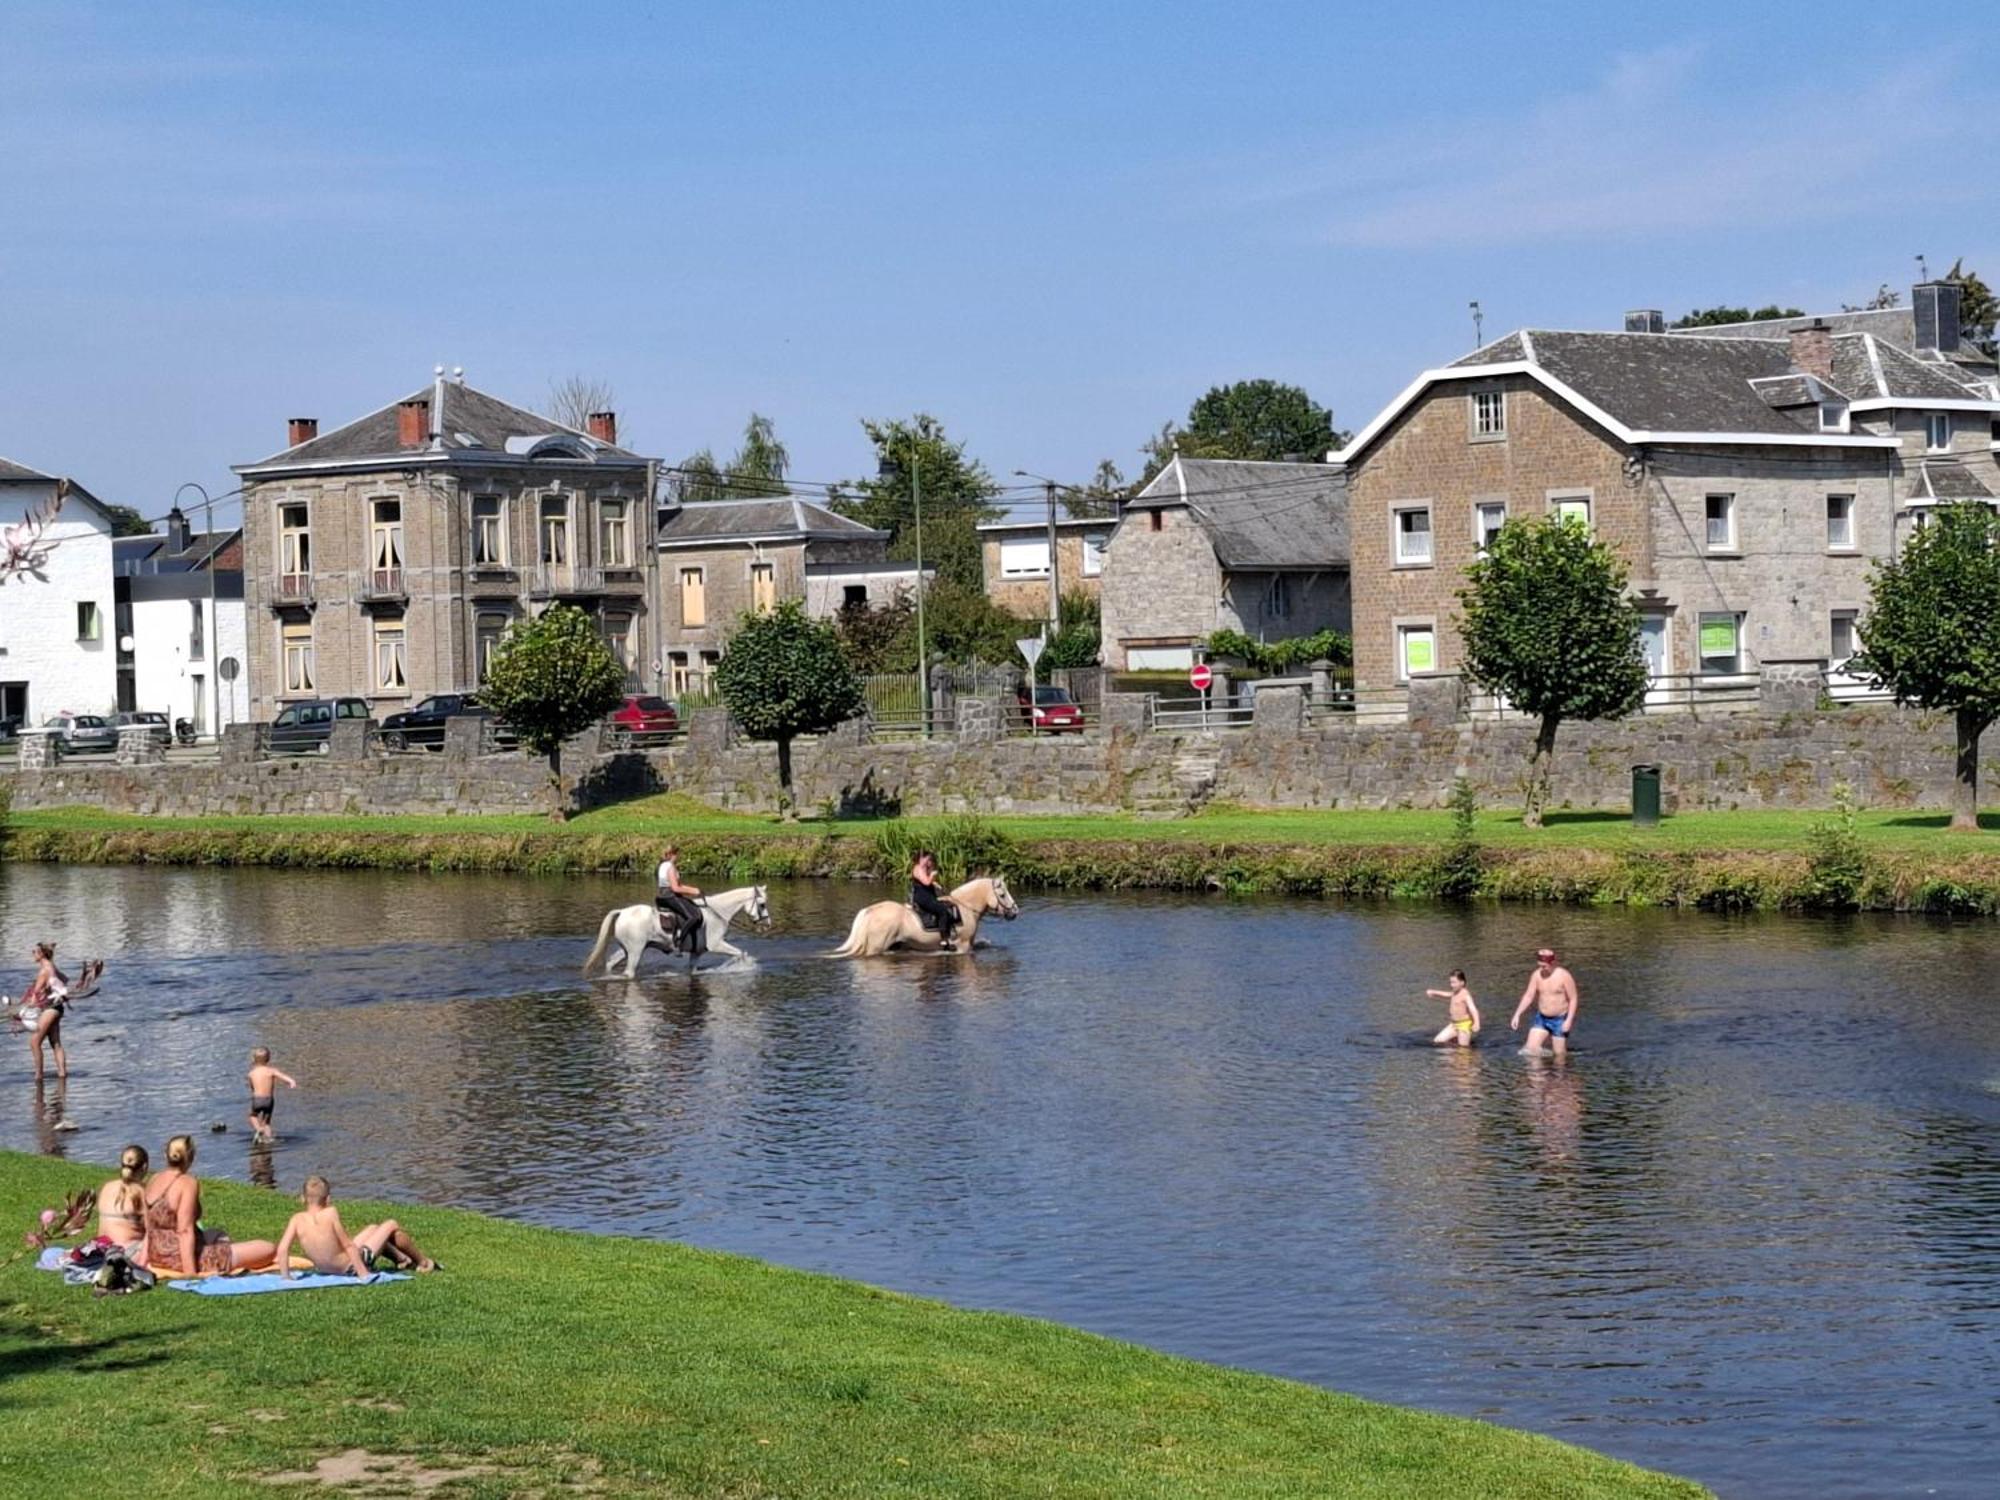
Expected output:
(891, 924)
(634, 929)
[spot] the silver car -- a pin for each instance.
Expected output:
(84, 734)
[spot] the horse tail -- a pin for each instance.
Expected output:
(856, 938)
(603, 942)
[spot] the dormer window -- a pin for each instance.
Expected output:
(1833, 416)
(1937, 431)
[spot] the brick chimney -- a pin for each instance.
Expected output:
(602, 425)
(301, 430)
(1645, 320)
(1812, 349)
(1934, 306)
(413, 423)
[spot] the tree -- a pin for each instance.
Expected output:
(1100, 499)
(1078, 636)
(957, 494)
(552, 677)
(879, 639)
(696, 478)
(757, 468)
(572, 400)
(1253, 419)
(1885, 296)
(126, 521)
(1546, 624)
(1932, 633)
(784, 675)
(1715, 317)
(1977, 307)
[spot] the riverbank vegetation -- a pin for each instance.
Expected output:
(1877, 860)
(552, 1363)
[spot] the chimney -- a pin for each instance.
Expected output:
(177, 530)
(1812, 349)
(602, 425)
(413, 423)
(1935, 306)
(1645, 320)
(301, 430)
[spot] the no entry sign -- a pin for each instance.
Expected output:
(1199, 677)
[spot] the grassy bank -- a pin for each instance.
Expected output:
(552, 1363)
(1885, 860)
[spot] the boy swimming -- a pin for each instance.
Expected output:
(1464, 1012)
(263, 1078)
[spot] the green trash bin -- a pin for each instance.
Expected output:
(1645, 796)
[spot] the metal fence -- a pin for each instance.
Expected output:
(896, 709)
(1196, 715)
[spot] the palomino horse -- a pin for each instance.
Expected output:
(634, 929)
(890, 924)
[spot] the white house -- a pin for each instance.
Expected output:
(56, 643)
(180, 623)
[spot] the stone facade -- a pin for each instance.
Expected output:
(1027, 593)
(1162, 586)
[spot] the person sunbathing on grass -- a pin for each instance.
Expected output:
(322, 1239)
(176, 1243)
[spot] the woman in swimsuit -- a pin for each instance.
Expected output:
(121, 1202)
(176, 1244)
(48, 995)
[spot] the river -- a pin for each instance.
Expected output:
(1749, 1233)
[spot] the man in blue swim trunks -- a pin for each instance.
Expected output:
(1552, 991)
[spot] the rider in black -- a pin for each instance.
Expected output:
(925, 897)
(674, 897)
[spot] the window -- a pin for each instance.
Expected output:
(488, 631)
(1488, 516)
(1489, 414)
(854, 596)
(1832, 416)
(1279, 605)
(1721, 520)
(555, 531)
(694, 597)
(89, 623)
(1843, 636)
(1840, 523)
(385, 543)
(391, 656)
(1416, 650)
(197, 644)
(1571, 508)
(677, 671)
(295, 643)
(1154, 517)
(1026, 559)
(1937, 431)
(488, 532)
(763, 587)
(613, 545)
(618, 636)
(1093, 554)
(1413, 536)
(294, 547)
(1721, 643)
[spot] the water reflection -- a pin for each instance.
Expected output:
(1747, 1231)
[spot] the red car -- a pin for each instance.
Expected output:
(1055, 712)
(644, 714)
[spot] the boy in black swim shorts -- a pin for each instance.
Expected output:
(263, 1079)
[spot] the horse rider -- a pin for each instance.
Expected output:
(930, 902)
(675, 898)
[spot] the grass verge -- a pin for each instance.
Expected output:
(553, 1363)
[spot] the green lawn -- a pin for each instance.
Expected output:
(551, 1363)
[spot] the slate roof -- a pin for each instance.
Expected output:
(1261, 516)
(11, 470)
(473, 426)
(149, 554)
(1947, 481)
(1894, 326)
(779, 516)
(13, 473)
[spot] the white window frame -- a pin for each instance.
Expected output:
(1586, 499)
(764, 600)
(385, 535)
(1480, 540)
(1278, 598)
(614, 533)
(488, 630)
(489, 532)
(1835, 661)
(553, 510)
(1092, 544)
(1487, 416)
(699, 592)
(618, 637)
(1024, 559)
(1846, 517)
(295, 658)
(1702, 657)
(197, 631)
(1833, 416)
(679, 674)
(1397, 533)
(1405, 632)
(1708, 541)
(1937, 424)
(294, 540)
(392, 656)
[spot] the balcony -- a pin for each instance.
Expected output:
(565, 581)
(292, 589)
(384, 584)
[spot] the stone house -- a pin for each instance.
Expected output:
(179, 618)
(1747, 480)
(56, 623)
(1014, 561)
(1224, 544)
(723, 559)
(385, 559)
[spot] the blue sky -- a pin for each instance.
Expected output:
(1053, 225)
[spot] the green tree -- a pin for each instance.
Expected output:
(696, 478)
(1253, 419)
(957, 494)
(1932, 633)
(757, 468)
(879, 638)
(784, 675)
(1715, 317)
(1100, 499)
(1547, 625)
(125, 521)
(552, 677)
(1078, 637)
(1977, 307)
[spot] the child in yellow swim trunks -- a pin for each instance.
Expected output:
(1464, 1012)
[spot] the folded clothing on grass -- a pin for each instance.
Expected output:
(271, 1281)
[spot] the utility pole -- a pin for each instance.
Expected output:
(923, 653)
(1055, 581)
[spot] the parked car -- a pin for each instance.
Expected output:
(306, 728)
(1055, 712)
(163, 733)
(423, 726)
(84, 734)
(645, 716)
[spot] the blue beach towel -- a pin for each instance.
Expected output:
(271, 1281)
